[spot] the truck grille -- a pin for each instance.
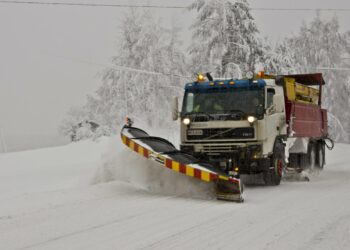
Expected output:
(220, 133)
(218, 149)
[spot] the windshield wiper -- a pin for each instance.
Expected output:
(195, 114)
(237, 112)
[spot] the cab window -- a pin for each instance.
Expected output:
(269, 97)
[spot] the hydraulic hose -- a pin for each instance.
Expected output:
(331, 145)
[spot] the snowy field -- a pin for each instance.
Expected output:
(100, 195)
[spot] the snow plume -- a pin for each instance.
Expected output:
(123, 165)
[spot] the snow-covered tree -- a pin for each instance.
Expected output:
(226, 39)
(148, 69)
(280, 58)
(79, 124)
(74, 116)
(320, 46)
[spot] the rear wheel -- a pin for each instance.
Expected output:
(274, 175)
(312, 157)
(320, 155)
(308, 160)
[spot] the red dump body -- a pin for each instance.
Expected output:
(306, 119)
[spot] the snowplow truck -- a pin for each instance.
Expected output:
(267, 125)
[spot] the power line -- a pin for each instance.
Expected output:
(93, 4)
(301, 9)
(116, 67)
(326, 68)
(161, 6)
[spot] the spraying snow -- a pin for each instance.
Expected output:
(121, 164)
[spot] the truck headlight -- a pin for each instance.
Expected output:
(251, 119)
(186, 121)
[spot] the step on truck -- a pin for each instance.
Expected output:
(267, 125)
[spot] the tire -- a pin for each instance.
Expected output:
(308, 161)
(273, 176)
(293, 161)
(320, 155)
(304, 161)
(312, 157)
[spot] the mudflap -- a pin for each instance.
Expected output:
(163, 152)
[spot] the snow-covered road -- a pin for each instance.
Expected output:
(102, 196)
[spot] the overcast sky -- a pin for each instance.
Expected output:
(45, 52)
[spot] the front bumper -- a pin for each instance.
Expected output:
(246, 156)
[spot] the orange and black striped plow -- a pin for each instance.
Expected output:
(163, 152)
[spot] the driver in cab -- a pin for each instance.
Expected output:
(209, 105)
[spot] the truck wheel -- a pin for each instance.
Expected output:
(293, 161)
(312, 156)
(320, 155)
(308, 161)
(304, 161)
(274, 175)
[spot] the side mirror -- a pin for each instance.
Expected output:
(175, 108)
(278, 102)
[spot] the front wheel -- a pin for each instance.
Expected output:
(274, 175)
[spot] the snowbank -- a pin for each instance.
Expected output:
(101, 195)
(52, 168)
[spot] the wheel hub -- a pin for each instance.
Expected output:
(279, 167)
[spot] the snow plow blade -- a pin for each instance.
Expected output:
(164, 152)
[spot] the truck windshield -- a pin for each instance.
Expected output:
(224, 101)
